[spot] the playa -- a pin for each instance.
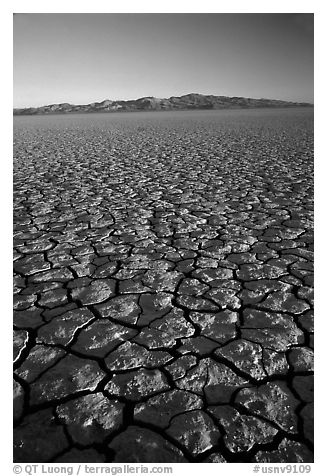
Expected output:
(163, 307)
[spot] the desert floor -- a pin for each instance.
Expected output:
(164, 287)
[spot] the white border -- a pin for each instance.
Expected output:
(168, 6)
(160, 6)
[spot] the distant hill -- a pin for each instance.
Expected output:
(188, 101)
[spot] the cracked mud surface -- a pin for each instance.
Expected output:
(163, 307)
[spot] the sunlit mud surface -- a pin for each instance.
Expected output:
(164, 287)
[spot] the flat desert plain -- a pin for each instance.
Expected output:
(164, 287)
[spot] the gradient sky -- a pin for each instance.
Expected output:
(82, 58)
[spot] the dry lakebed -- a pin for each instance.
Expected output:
(163, 287)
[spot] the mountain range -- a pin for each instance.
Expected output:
(150, 103)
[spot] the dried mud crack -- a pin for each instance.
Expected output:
(163, 287)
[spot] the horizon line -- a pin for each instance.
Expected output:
(160, 97)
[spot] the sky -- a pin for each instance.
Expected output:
(82, 58)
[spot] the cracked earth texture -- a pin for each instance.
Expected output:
(164, 287)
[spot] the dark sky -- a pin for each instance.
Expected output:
(81, 58)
